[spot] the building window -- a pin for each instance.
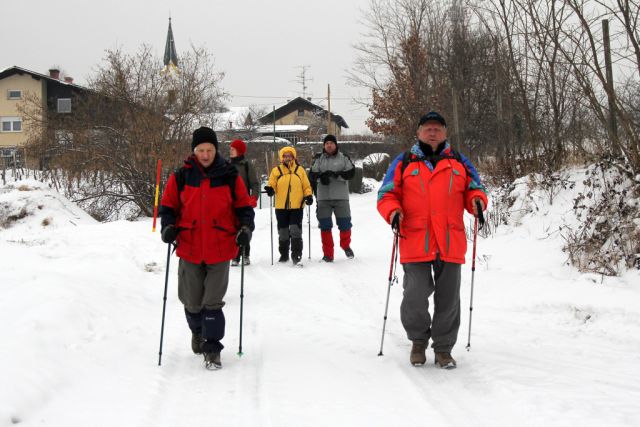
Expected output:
(10, 124)
(14, 94)
(301, 112)
(64, 105)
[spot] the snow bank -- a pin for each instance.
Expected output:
(29, 206)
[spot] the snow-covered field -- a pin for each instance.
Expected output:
(81, 306)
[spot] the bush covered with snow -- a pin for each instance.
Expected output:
(375, 165)
(596, 210)
(607, 240)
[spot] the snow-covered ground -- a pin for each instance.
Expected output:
(81, 306)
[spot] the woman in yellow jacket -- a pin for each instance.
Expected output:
(289, 183)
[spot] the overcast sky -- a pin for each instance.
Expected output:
(260, 45)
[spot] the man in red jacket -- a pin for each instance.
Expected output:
(423, 196)
(205, 207)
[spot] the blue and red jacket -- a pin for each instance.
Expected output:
(206, 212)
(432, 200)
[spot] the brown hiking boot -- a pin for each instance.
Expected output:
(445, 361)
(417, 356)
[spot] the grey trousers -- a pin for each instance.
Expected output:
(419, 283)
(341, 209)
(202, 286)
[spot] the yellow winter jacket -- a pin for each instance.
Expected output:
(289, 182)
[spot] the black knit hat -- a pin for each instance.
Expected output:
(432, 116)
(330, 137)
(204, 134)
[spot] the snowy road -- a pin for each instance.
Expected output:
(80, 316)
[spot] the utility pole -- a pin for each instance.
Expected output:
(274, 126)
(499, 116)
(457, 13)
(611, 94)
(328, 108)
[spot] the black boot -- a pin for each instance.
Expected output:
(283, 247)
(296, 250)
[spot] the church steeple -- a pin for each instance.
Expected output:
(170, 54)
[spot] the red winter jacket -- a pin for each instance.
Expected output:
(206, 213)
(433, 203)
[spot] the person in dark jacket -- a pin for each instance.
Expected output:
(331, 171)
(246, 170)
(423, 196)
(206, 209)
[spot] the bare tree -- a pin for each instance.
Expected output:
(132, 115)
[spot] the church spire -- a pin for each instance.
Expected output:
(170, 54)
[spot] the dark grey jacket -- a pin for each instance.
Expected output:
(334, 171)
(248, 174)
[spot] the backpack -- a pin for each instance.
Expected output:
(293, 172)
(409, 157)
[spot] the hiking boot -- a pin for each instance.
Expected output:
(212, 361)
(235, 262)
(417, 356)
(283, 248)
(327, 259)
(196, 343)
(445, 361)
(296, 250)
(349, 253)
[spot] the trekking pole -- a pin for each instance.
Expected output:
(242, 249)
(473, 267)
(164, 302)
(392, 278)
(309, 221)
(271, 224)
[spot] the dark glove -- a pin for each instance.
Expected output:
(169, 234)
(395, 222)
(480, 215)
(347, 175)
(244, 236)
(308, 200)
(269, 191)
(324, 177)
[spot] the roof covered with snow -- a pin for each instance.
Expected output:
(282, 128)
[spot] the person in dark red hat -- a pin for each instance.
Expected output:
(247, 172)
(207, 211)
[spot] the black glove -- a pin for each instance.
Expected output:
(269, 191)
(244, 236)
(347, 175)
(480, 214)
(395, 222)
(169, 234)
(308, 200)
(324, 177)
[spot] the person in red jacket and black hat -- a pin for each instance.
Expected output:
(206, 209)
(423, 196)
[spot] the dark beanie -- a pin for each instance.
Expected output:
(330, 137)
(204, 134)
(432, 116)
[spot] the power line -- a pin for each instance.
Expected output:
(289, 97)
